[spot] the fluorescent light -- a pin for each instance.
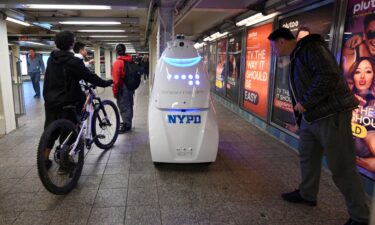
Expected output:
(113, 31)
(108, 36)
(248, 19)
(55, 6)
(18, 21)
(33, 43)
(215, 36)
(199, 45)
(254, 19)
(44, 25)
(90, 22)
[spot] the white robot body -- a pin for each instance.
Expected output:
(182, 121)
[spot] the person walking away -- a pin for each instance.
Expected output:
(323, 107)
(35, 67)
(124, 96)
(145, 64)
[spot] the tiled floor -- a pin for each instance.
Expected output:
(122, 186)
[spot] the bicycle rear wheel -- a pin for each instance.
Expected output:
(57, 140)
(105, 124)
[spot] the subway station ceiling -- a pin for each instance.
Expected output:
(134, 19)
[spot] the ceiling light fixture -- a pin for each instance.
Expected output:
(108, 36)
(18, 21)
(254, 19)
(32, 42)
(90, 22)
(101, 31)
(74, 7)
(215, 36)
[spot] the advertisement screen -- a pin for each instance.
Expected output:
(358, 64)
(316, 21)
(221, 66)
(234, 65)
(212, 64)
(257, 69)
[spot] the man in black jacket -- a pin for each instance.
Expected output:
(61, 82)
(323, 107)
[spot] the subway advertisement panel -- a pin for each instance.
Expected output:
(221, 66)
(257, 69)
(318, 21)
(212, 64)
(234, 65)
(358, 64)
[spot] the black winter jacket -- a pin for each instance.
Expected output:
(316, 80)
(61, 80)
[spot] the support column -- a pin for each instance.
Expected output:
(16, 57)
(7, 115)
(97, 59)
(107, 61)
(165, 24)
(114, 56)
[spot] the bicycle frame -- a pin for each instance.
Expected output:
(84, 121)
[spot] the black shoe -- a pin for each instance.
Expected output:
(352, 222)
(124, 129)
(36, 96)
(48, 163)
(295, 197)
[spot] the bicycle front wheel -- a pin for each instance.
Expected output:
(105, 124)
(58, 171)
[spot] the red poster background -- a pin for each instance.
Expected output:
(257, 70)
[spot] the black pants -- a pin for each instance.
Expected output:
(55, 114)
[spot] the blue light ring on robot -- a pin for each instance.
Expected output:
(187, 62)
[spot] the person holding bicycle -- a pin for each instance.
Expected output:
(61, 83)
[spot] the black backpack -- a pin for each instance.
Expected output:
(132, 75)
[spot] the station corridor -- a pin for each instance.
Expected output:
(122, 185)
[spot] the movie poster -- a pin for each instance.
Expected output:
(257, 70)
(221, 66)
(234, 65)
(358, 64)
(212, 64)
(317, 20)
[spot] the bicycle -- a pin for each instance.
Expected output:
(98, 123)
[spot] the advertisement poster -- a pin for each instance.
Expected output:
(318, 21)
(257, 70)
(212, 64)
(221, 66)
(358, 64)
(234, 65)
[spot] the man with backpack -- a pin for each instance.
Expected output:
(125, 81)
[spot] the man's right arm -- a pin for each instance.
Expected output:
(85, 74)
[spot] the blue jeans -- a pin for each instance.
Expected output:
(35, 78)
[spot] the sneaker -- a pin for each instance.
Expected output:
(124, 129)
(36, 96)
(295, 197)
(353, 222)
(48, 163)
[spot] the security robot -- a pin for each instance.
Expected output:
(182, 120)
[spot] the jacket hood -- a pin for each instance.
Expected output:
(125, 57)
(60, 57)
(306, 40)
